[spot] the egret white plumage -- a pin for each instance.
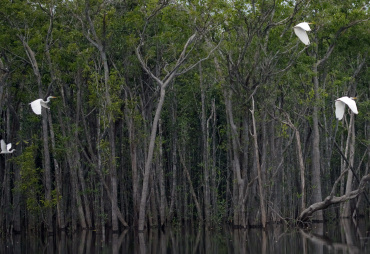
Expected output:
(5, 148)
(37, 104)
(340, 105)
(301, 31)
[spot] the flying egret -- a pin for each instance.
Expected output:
(301, 31)
(341, 103)
(5, 148)
(37, 104)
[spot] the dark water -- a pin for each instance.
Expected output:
(345, 236)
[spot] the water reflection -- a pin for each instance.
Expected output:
(345, 236)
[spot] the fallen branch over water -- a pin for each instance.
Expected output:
(331, 199)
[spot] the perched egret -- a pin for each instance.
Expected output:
(301, 31)
(341, 103)
(5, 148)
(37, 104)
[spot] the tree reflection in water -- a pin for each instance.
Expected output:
(345, 236)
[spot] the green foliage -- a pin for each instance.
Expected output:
(31, 182)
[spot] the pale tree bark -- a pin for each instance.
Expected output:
(214, 192)
(161, 181)
(58, 180)
(259, 171)
(350, 144)
(174, 194)
(331, 199)
(315, 166)
(238, 184)
(351, 133)
(148, 166)
(206, 190)
(300, 160)
(163, 84)
(46, 153)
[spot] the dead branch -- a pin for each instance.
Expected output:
(331, 199)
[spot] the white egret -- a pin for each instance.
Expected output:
(340, 104)
(37, 104)
(5, 148)
(301, 31)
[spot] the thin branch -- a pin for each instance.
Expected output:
(337, 34)
(201, 60)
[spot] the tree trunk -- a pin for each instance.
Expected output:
(316, 176)
(193, 194)
(238, 183)
(130, 112)
(347, 212)
(259, 171)
(148, 162)
(206, 189)
(46, 157)
(77, 154)
(71, 158)
(58, 180)
(161, 180)
(300, 161)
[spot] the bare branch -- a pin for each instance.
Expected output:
(145, 67)
(331, 199)
(201, 60)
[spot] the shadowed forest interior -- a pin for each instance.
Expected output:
(171, 112)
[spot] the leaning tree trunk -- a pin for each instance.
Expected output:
(145, 189)
(347, 206)
(259, 171)
(163, 84)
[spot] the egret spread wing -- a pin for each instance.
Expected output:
(9, 146)
(350, 102)
(304, 25)
(339, 109)
(36, 106)
(302, 35)
(3, 146)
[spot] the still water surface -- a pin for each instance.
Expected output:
(345, 236)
